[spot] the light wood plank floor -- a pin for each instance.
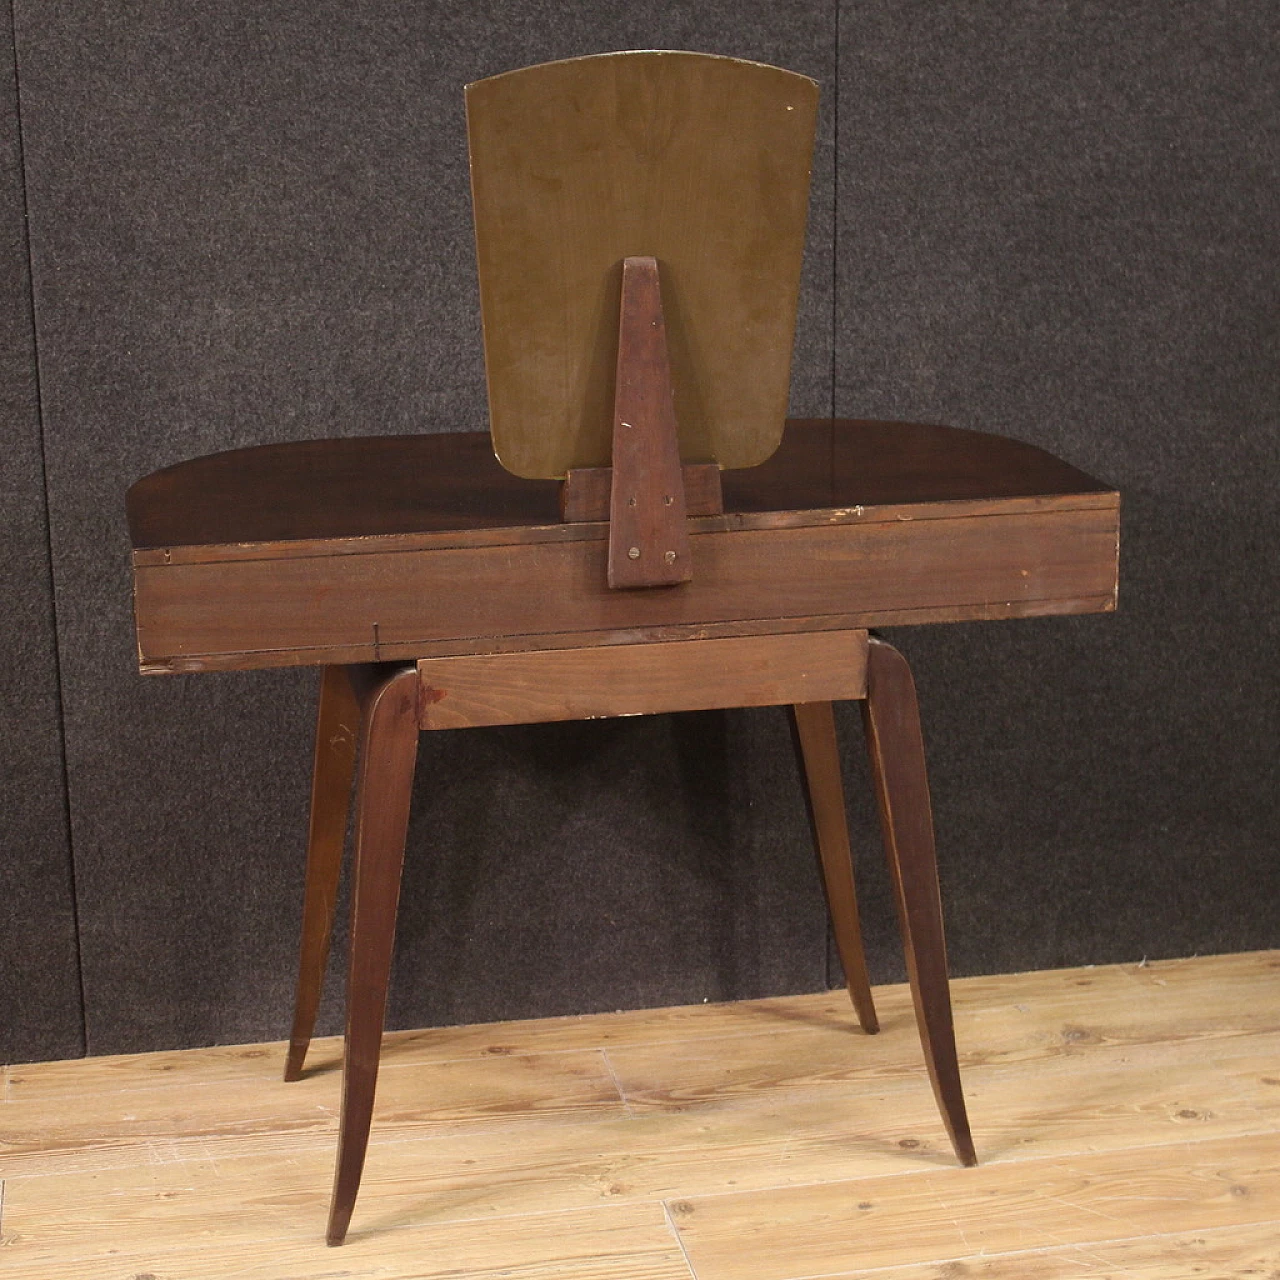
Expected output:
(1127, 1119)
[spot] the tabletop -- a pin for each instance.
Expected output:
(381, 548)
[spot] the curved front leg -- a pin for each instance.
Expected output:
(388, 754)
(892, 720)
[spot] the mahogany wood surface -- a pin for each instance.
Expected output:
(478, 561)
(813, 729)
(337, 728)
(422, 548)
(648, 532)
(702, 162)
(585, 492)
(388, 754)
(381, 604)
(371, 486)
(891, 717)
(641, 679)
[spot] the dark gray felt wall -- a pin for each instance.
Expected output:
(1062, 222)
(251, 223)
(40, 1014)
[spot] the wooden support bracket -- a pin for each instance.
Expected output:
(648, 537)
(587, 491)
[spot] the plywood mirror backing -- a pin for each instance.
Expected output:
(702, 162)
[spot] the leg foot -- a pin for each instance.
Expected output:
(337, 723)
(388, 753)
(892, 721)
(813, 729)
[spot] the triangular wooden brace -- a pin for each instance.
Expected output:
(648, 535)
(585, 493)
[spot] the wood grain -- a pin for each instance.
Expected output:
(896, 751)
(351, 551)
(648, 535)
(727, 1071)
(332, 775)
(363, 651)
(384, 788)
(383, 603)
(585, 492)
(622, 680)
(1226, 1253)
(51, 1132)
(700, 1116)
(692, 159)
(813, 731)
(1138, 1093)
(1008, 1018)
(573, 1154)
(378, 486)
(624, 1242)
(878, 1222)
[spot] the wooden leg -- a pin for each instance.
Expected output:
(388, 753)
(813, 730)
(892, 720)
(337, 723)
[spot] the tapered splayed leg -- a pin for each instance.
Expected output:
(337, 725)
(388, 753)
(813, 730)
(892, 720)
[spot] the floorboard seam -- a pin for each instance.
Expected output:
(1152, 1148)
(301, 1141)
(1265, 1132)
(617, 1084)
(1045, 1249)
(974, 1060)
(785, 1028)
(675, 1231)
(129, 1161)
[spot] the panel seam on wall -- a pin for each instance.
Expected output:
(48, 531)
(829, 967)
(835, 212)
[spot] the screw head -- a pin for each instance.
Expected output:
(634, 553)
(670, 557)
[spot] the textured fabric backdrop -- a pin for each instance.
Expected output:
(1056, 221)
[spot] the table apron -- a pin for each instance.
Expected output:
(392, 604)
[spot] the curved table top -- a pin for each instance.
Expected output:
(407, 547)
(380, 485)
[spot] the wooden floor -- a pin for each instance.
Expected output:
(1127, 1118)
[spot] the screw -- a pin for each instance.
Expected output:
(634, 553)
(670, 557)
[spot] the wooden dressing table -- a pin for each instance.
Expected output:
(438, 590)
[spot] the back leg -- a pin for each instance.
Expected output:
(892, 720)
(813, 731)
(337, 726)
